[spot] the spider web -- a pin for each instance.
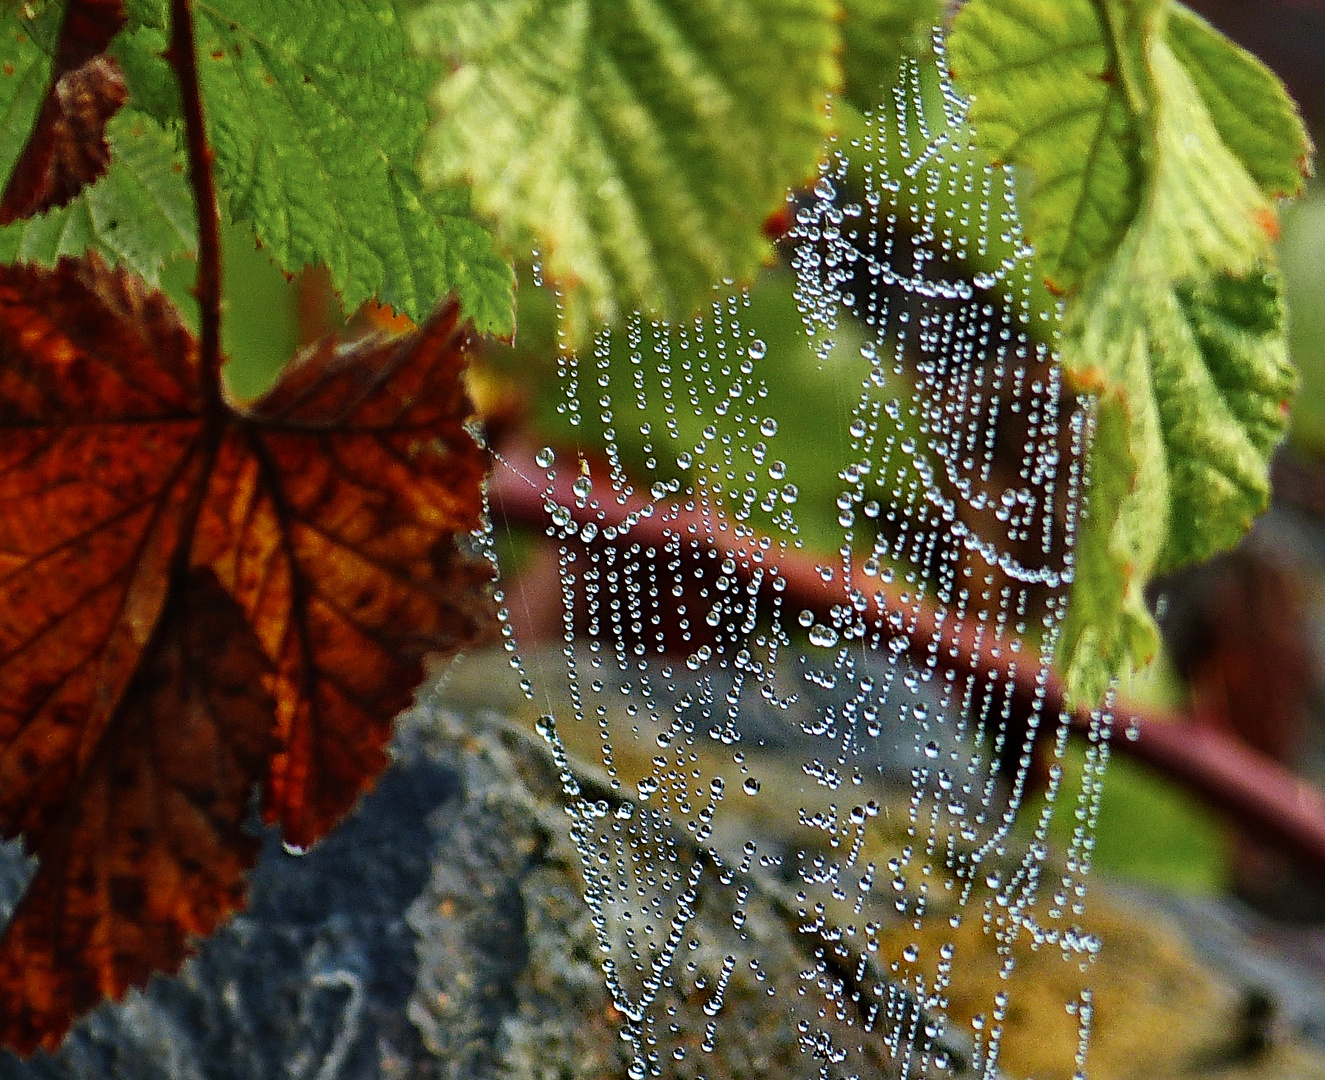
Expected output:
(845, 722)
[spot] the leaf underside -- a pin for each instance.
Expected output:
(196, 599)
(639, 147)
(1161, 233)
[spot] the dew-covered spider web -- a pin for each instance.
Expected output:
(810, 558)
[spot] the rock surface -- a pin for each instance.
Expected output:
(441, 933)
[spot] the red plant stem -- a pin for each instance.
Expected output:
(183, 57)
(1251, 788)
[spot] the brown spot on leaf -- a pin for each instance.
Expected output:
(777, 224)
(1267, 220)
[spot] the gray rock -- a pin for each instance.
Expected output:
(441, 932)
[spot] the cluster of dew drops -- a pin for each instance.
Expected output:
(924, 511)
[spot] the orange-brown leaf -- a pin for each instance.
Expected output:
(177, 570)
(331, 517)
(150, 847)
(67, 149)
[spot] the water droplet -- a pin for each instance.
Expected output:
(545, 458)
(769, 427)
(756, 350)
(823, 636)
(751, 786)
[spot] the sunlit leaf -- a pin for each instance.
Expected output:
(1183, 337)
(1050, 92)
(1248, 104)
(640, 147)
(316, 111)
(1150, 167)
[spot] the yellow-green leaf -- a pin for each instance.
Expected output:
(876, 34)
(1151, 148)
(638, 146)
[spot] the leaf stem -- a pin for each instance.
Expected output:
(183, 57)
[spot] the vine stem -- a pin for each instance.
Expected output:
(182, 55)
(1251, 788)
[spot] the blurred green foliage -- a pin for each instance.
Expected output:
(261, 328)
(1149, 830)
(1302, 250)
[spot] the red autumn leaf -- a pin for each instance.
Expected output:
(67, 149)
(151, 848)
(195, 598)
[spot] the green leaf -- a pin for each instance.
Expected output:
(315, 111)
(1108, 628)
(639, 146)
(1254, 114)
(1050, 92)
(1153, 148)
(25, 69)
(140, 214)
(1183, 335)
(152, 84)
(876, 34)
